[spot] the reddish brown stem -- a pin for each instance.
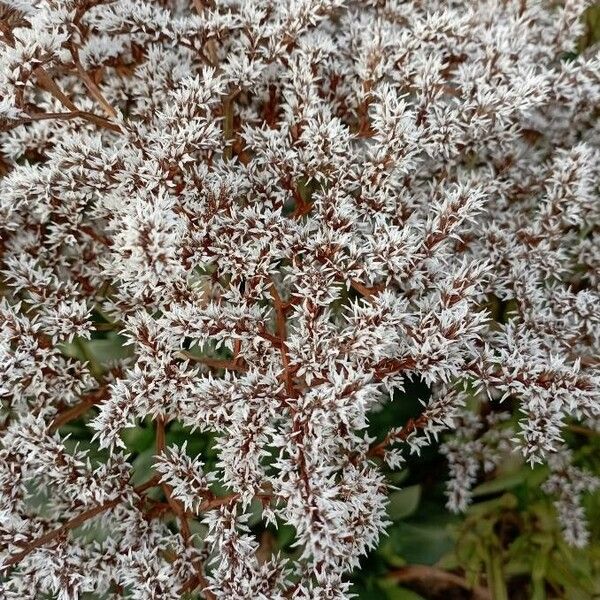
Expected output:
(79, 409)
(363, 290)
(428, 575)
(176, 506)
(45, 82)
(91, 86)
(67, 116)
(399, 436)
(215, 363)
(281, 329)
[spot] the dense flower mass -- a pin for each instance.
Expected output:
(278, 211)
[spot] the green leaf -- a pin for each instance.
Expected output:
(403, 503)
(392, 591)
(400, 593)
(491, 507)
(285, 535)
(450, 561)
(592, 27)
(109, 349)
(500, 484)
(254, 512)
(138, 439)
(387, 553)
(142, 466)
(422, 544)
(578, 585)
(95, 454)
(196, 443)
(397, 477)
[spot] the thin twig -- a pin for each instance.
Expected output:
(280, 325)
(76, 411)
(89, 83)
(582, 430)
(428, 575)
(46, 82)
(75, 114)
(399, 436)
(368, 293)
(215, 363)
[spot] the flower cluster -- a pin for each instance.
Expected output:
(568, 483)
(283, 209)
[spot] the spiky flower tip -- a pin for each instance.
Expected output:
(252, 220)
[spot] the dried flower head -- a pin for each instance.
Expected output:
(278, 211)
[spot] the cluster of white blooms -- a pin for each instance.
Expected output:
(286, 208)
(479, 445)
(568, 483)
(482, 443)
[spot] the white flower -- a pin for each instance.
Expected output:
(282, 210)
